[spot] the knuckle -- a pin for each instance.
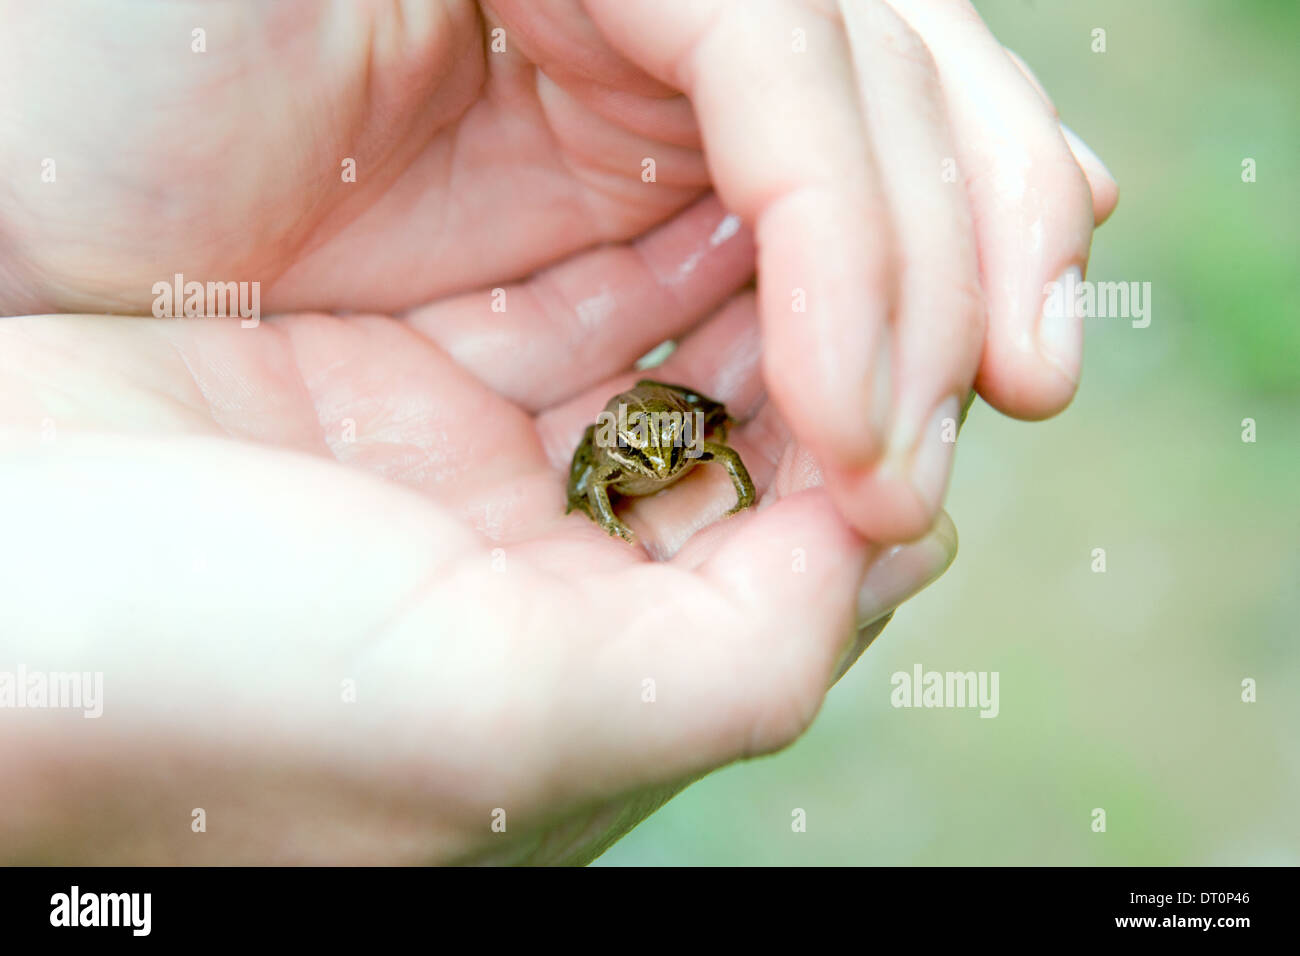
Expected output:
(1061, 179)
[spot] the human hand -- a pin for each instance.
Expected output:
(477, 168)
(324, 572)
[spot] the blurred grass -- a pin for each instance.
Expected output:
(1118, 690)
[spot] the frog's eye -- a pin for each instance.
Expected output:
(631, 449)
(674, 456)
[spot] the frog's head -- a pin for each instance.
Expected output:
(654, 443)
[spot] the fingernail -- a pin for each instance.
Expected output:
(905, 570)
(865, 636)
(1082, 151)
(1060, 328)
(932, 454)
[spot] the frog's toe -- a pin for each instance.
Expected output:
(617, 529)
(739, 506)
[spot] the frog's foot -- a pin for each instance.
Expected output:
(745, 492)
(602, 512)
(745, 501)
(618, 529)
(739, 506)
(740, 480)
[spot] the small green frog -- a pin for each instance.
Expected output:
(646, 439)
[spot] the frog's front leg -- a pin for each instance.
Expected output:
(729, 459)
(601, 511)
(584, 463)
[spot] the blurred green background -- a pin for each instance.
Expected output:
(1119, 690)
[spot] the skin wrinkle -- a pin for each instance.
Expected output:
(682, 66)
(662, 284)
(555, 308)
(670, 121)
(204, 400)
(309, 395)
(605, 227)
(450, 125)
(286, 347)
(568, 117)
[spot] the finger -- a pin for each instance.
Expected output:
(1102, 185)
(894, 576)
(904, 569)
(795, 557)
(576, 323)
(738, 661)
(735, 657)
(938, 326)
(867, 635)
(805, 177)
(740, 667)
(1031, 205)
